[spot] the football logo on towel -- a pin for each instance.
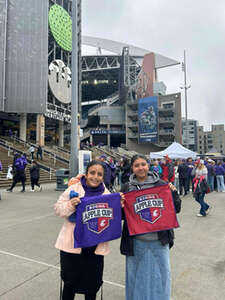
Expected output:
(97, 216)
(149, 207)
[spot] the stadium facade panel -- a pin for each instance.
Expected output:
(26, 72)
(3, 9)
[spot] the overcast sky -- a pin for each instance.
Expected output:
(169, 27)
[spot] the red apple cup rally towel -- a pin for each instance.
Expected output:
(150, 210)
(98, 219)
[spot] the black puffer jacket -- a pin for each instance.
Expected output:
(165, 237)
(34, 172)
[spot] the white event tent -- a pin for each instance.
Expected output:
(174, 151)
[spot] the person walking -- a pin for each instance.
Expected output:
(201, 188)
(148, 274)
(211, 174)
(19, 165)
(81, 269)
(220, 172)
(183, 177)
(35, 176)
(31, 150)
(39, 152)
(190, 177)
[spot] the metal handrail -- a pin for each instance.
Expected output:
(52, 155)
(41, 165)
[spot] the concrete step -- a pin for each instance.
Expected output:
(7, 183)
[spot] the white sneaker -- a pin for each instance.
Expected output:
(200, 215)
(32, 190)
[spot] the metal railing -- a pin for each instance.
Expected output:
(12, 149)
(28, 144)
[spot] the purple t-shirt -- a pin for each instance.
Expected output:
(98, 219)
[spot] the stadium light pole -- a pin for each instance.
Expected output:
(76, 34)
(185, 87)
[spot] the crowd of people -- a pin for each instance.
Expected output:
(180, 172)
(198, 177)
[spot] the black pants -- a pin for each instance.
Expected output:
(18, 178)
(81, 273)
(39, 154)
(69, 293)
(190, 181)
(183, 185)
(34, 181)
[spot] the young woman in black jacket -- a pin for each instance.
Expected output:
(147, 255)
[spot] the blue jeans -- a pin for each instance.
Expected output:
(148, 272)
(190, 181)
(211, 182)
(220, 183)
(204, 206)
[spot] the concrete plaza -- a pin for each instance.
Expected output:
(30, 263)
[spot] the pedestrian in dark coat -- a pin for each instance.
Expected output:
(126, 172)
(211, 174)
(183, 177)
(35, 175)
(190, 178)
(39, 152)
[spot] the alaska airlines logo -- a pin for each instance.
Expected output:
(149, 207)
(97, 216)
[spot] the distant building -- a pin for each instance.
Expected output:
(211, 139)
(169, 122)
(189, 134)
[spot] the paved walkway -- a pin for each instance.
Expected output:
(30, 263)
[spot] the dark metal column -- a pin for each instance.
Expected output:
(76, 50)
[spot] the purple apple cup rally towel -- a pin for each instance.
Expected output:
(98, 220)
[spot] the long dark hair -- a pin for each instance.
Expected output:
(137, 156)
(93, 163)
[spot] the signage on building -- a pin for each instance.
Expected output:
(148, 120)
(105, 131)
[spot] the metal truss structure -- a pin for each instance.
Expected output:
(97, 63)
(131, 73)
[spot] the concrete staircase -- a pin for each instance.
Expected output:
(45, 177)
(49, 156)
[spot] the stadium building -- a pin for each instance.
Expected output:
(122, 100)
